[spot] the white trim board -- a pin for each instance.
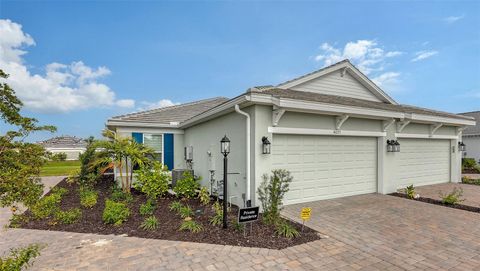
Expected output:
(307, 131)
(427, 136)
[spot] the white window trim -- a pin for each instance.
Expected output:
(163, 144)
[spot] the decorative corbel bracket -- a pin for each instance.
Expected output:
(460, 130)
(277, 114)
(387, 124)
(344, 70)
(340, 120)
(401, 125)
(434, 128)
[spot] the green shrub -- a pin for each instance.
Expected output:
(187, 186)
(59, 191)
(185, 211)
(147, 208)
(238, 226)
(88, 197)
(284, 229)
(152, 180)
(410, 191)
(175, 206)
(217, 218)
(68, 217)
(468, 180)
(468, 163)
(115, 212)
(61, 156)
(17, 220)
(271, 193)
(453, 197)
(150, 223)
(190, 225)
(119, 196)
(89, 170)
(46, 206)
(204, 196)
(19, 258)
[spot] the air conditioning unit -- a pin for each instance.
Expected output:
(188, 152)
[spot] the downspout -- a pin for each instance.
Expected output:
(247, 192)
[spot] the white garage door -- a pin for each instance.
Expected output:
(423, 162)
(326, 166)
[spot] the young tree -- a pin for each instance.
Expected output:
(20, 161)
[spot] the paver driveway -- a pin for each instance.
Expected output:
(368, 232)
(408, 234)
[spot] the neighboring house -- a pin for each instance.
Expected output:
(329, 128)
(471, 137)
(70, 145)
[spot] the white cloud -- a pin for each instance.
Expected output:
(63, 87)
(365, 54)
(159, 104)
(453, 19)
(424, 55)
(386, 79)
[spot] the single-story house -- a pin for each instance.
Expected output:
(70, 145)
(471, 137)
(337, 132)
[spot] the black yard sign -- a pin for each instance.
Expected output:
(248, 214)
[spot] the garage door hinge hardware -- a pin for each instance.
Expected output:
(401, 125)
(340, 121)
(387, 124)
(277, 115)
(434, 128)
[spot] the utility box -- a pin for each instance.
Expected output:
(177, 174)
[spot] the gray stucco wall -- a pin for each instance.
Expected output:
(473, 147)
(205, 139)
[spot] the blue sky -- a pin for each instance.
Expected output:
(85, 61)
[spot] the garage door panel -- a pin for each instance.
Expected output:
(423, 162)
(326, 166)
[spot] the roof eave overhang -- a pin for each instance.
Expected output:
(335, 109)
(119, 123)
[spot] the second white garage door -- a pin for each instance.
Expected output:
(326, 166)
(422, 162)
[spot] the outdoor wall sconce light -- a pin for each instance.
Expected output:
(265, 145)
(393, 146)
(462, 146)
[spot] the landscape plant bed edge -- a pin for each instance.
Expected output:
(262, 236)
(439, 202)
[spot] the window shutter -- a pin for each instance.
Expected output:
(168, 150)
(138, 137)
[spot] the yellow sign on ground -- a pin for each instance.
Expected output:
(306, 213)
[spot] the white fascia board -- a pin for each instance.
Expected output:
(437, 119)
(307, 131)
(119, 123)
(65, 149)
(149, 130)
(338, 109)
(355, 73)
(427, 136)
(216, 110)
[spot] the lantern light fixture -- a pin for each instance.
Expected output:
(393, 146)
(266, 145)
(462, 146)
(225, 146)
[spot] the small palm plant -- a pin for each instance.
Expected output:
(410, 191)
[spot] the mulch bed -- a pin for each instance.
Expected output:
(91, 222)
(439, 202)
(470, 171)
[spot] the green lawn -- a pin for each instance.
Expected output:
(59, 168)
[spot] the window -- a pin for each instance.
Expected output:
(156, 143)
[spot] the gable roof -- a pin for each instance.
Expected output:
(64, 142)
(169, 116)
(341, 100)
(472, 130)
(347, 67)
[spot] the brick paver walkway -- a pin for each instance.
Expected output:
(471, 193)
(368, 232)
(398, 232)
